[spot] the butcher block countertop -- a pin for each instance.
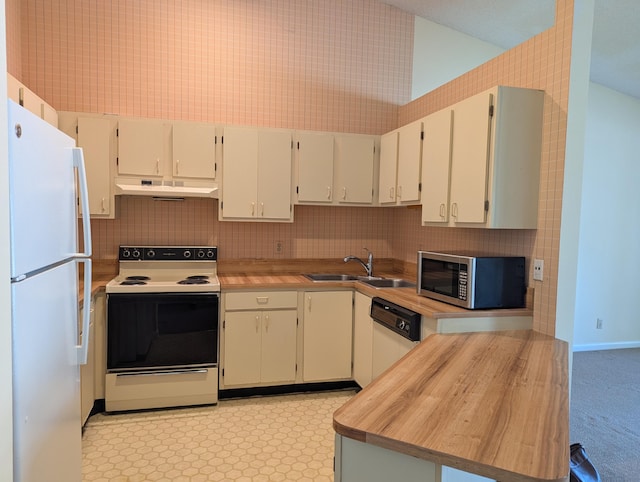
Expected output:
(494, 404)
(406, 297)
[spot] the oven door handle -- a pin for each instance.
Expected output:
(159, 373)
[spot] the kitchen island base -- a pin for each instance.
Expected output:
(358, 461)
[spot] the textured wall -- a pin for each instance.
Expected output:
(334, 65)
(541, 63)
(320, 65)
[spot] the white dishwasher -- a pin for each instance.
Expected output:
(395, 332)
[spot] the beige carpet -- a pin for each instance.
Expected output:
(276, 438)
(605, 411)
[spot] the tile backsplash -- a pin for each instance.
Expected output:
(318, 231)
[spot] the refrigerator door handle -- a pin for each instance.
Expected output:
(78, 163)
(83, 347)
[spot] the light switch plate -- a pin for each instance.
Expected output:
(538, 269)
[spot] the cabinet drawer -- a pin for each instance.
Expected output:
(261, 300)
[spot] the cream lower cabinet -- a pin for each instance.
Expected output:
(328, 331)
(362, 340)
(260, 345)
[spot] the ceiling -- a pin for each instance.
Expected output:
(615, 54)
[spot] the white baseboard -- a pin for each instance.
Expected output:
(606, 346)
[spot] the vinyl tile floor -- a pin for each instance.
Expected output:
(274, 438)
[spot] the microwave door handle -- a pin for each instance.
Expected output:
(78, 163)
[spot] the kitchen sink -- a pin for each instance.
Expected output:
(389, 283)
(331, 277)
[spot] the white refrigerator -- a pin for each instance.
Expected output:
(48, 342)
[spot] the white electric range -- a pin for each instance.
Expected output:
(162, 328)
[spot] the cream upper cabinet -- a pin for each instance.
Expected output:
(495, 159)
(355, 160)
(327, 337)
(194, 150)
(20, 94)
(140, 147)
(95, 136)
(400, 160)
(388, 167)
(481, 161)
(409, 158)
(314, 165)
(256, 175)
(335, 168)
(436, 162)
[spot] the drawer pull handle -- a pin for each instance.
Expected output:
(262, 300)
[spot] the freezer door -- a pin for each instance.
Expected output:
(46, 377)
(42, 193)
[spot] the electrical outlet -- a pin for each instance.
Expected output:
(538, 269)
(599, 324)
(278, 247)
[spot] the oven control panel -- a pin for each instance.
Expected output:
(168, 253)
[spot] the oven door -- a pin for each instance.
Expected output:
(161, 330)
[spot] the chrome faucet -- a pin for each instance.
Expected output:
(368, 266)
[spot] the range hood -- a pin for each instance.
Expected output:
(165, 188)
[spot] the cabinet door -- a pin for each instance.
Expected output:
(327, 335)
(279, 337)
(239, 172)
(315, 167)
(362, 340)
(94, 136)
(242, 347)
(194, 150)
(409, 153)
(436, 162)
(274, 175)
(388, 167)
(355, 157)
(140, 147)
(469, 158)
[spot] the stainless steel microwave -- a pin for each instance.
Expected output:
(472, 282)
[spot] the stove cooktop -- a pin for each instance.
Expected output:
(166, 269)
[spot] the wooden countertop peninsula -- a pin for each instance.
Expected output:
(494, 404)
